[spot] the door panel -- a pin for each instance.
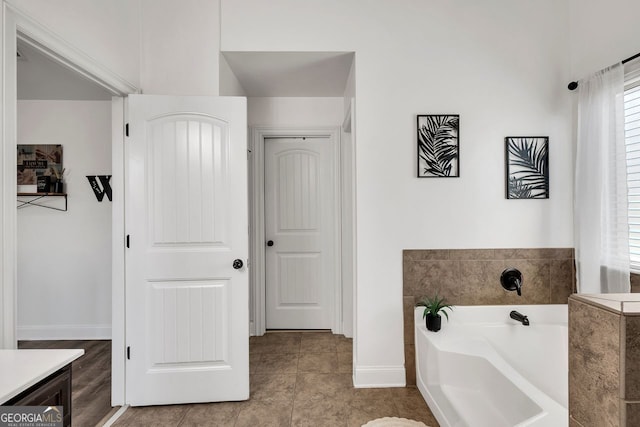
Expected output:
(299, 219)
(186, 213)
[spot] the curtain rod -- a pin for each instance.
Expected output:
(574, 85)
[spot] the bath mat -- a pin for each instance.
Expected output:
(394, 422)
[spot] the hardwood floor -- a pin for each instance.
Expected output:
(91, 379)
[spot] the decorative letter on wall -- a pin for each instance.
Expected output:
(106, 187)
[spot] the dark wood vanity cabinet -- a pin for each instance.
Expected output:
(55, 390)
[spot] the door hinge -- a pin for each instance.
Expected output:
(126, 129)
(128, 353)
(128, 241)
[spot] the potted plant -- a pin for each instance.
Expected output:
(432, 309)
(58, 185)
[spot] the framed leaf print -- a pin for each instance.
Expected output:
(438, 146)
(527, 167)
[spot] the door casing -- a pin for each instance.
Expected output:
(257, 225)
(19, 25)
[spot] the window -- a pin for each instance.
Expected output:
(632, 141)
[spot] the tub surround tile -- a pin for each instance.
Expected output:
(632, 358)
(633, 414)
(472, 277)
(410, 364)
(574, 423)
(635, 283)
(423, 255)
(472, 254)
(408, 303)
(561, 280)
(604, 349)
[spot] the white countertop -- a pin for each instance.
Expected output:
(20, 369)
(620, 303)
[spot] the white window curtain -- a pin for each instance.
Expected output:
(601, 227)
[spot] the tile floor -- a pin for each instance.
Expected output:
(297, 379)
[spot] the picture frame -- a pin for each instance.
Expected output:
(438, 145)
(527, 167)
(37, 166)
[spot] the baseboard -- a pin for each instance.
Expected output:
(64, 332)
(379, 376)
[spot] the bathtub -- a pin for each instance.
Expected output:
(485, 369)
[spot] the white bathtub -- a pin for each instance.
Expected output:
(485, 369)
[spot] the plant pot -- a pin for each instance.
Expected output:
(434, 322)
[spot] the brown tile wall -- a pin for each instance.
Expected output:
(635, 282)
(604, 376)
(594, 365)
(472, 277)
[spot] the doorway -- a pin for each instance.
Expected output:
(20, 27)
(300, 230)
(291, 147)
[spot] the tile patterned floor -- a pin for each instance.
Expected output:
(297, 379)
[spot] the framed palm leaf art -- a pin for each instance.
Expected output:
(438, 146)
(527, 167)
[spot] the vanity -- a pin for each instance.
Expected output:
(37, 378)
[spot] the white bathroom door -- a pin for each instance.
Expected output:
(300, 233)
(187, 317)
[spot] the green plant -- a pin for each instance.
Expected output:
(434, 306)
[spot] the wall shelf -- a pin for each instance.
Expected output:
(36, 199)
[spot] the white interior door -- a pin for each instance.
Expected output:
(186, 215)
(300, 233)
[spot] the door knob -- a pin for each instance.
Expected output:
(237, 264)
(270, 243)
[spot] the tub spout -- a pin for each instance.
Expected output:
(519, 317)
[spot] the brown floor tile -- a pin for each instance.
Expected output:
(318, 342)
(320, 413)
(415, 408)
(345, 363)
(311, 386)
(318, 362)
(363, 411)
(222, 414)
(254, 360)
(278, 363)
(156, 416)
(372, 393)
(273, 387)
(265, 414)
(343, 344)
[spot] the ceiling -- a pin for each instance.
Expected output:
(40, 77)
(266, 74)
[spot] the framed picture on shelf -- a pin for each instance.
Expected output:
(38, 165)
(439, 146)
(527, 167)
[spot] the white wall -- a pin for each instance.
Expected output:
(295, 112)
(501, 65)
(179, 47)
(108, 31)
(602, 34)
(64, 258)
